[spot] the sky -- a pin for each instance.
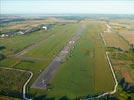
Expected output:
(67, 6)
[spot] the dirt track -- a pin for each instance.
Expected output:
(45, 77)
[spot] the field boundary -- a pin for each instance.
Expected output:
(115, 79)
(113, 74)
(25, 85)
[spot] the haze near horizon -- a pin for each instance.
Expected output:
(67, 6)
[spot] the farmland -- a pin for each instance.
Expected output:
(14, 77)
(45, 40)
(114, 40)
(82, 78)
(124, 29)
(122, 61)
(83, 69)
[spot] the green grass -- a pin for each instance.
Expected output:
(53, 44)
(12, 81)
(81, 73)
(7, 62)
(19, 42)
(86, 71)
(122, 95)
(46, 50)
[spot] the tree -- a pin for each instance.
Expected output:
(2, 56)
(131, 47)
(2, 47)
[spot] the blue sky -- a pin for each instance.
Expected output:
(67, 6)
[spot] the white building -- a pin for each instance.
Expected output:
(3, 35)
(20, 32)
(44, 27)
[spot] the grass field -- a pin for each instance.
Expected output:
(81, 74)
(8, 98)
(85, 71)
(12, 81)
(27, 40)
(54, 44)
(45, 51)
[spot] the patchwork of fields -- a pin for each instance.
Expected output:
(85, 70)
(91, 72)
(113, 39)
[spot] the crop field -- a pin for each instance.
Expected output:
(21, 25)
(128, 36)
(114, 40)
(125, 29)
(123, 62)
(86, 77)
(124, 65)
(12, 81)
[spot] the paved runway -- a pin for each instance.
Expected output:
(44, 78)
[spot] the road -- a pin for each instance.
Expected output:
(25, 85)
(45, 77)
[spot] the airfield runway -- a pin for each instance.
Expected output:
(44, 78)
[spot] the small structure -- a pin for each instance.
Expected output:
(20, 32)
(44, 27)
(71, 42)
(2, 36)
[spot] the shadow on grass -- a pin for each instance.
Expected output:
(43, 97)
(14, 94)
(64, 98)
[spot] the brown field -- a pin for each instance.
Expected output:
(128, 36)
(32, 23)
(125, 73)
(23, 25)
(114, 40)
(125, 28)
(122, 67)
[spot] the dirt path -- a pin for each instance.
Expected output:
(45, 77)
